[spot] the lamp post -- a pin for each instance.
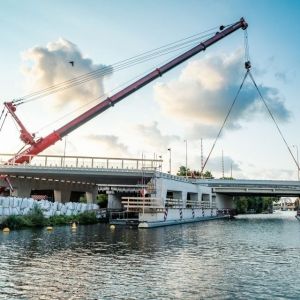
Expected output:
(170, 160)
(186, 170)
(296, 147)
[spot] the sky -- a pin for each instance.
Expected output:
(176, 111)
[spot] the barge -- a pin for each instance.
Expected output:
(146, 212)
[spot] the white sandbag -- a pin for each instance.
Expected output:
(95, 206)
(6, 211)
(69, 212)
(31, 202)
(24, 203)
(25, 211)
(54, 206)
(64, 209)
(5, 202)
(58, 213)
(1, 210)
(14, 211)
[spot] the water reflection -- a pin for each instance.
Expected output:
(242, 259)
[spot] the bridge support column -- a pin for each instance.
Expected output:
(89, 197)
(24, 189)
(57, 196)
(114, 201)
(65, 194)
(224, 201)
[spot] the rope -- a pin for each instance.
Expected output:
(229, 111)
(274, 120)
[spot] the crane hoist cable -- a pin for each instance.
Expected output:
(274, 120)
(224, 122)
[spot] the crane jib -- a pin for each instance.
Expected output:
(55, 136)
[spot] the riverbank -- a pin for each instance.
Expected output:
(36, 218)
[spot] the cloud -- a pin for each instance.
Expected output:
(46, 66)
(109, 145)
(152, 136)
(202, 95)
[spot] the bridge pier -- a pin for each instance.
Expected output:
(224, 201)
(114, 200)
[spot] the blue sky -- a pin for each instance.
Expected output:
(109, 31)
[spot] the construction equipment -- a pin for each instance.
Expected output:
(36, 146)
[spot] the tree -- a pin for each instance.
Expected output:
(208, 175)
(183, 171)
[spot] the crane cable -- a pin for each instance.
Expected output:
(248, 66)
(224, 122)
(163, 50)
(274, 120)
(3, 121)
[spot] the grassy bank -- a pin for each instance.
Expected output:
(37, 219)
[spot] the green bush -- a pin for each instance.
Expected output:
(102, 200)
(87, 217)
(36, 217)
(16, 222)
(60, 220)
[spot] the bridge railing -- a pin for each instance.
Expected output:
(86, 162)
(141, 204)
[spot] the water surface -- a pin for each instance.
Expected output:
(249, 258)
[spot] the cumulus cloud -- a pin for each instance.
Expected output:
(109, 144)
(202, 95)
(153, 137)
(46, 66)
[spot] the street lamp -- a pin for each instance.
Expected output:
(296, 146)
(186, 170)
(170, 161)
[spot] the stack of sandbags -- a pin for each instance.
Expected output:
(23, 206)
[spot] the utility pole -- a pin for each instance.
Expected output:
(296, 146)
(223, 165)
(170, 160)
(202, 161)
(186, 170)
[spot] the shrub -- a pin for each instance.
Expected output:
(87, 217)
(16, 222)
(36, 217)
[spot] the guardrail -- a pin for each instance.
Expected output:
(142, 204)
(86, 162)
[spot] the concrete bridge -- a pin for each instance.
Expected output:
(240, 187)
(90, 175)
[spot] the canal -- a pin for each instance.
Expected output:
(249, 258)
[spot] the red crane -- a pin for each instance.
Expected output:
(37, 146)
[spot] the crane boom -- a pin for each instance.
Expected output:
(52, 138)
